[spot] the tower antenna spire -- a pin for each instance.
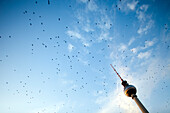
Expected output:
(117, 73)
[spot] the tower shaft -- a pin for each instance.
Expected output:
(140, 105)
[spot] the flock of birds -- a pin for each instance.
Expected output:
(70, 58)
(60, 42)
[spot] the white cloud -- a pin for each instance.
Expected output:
(74, 34)
(144, 54)
(103, 35)
(145, 29)
(78, 36)
(112, 55)
(122, 47)
(145, 19)
(104, 20)
(132, 5)
(131, 41)
(66, 82)
(141, 16)
(70, 47)
(144, 7)
(86, 44)
(141, 13)
(91, 5)
(140, 30)
(104, 25)
(88, 28)
(149, 43)
(85, 22)
(85, 27)
(85, 62)
(134, 50)
(84, 1)
(127, 5)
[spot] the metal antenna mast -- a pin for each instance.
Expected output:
(130, 91)
(117, 73)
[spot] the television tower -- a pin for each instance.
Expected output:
(130, 91)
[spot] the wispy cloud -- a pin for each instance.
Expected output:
(144, 29)
(87, 28)
(127, 5)
(84, 22)
(85, 62)
(144, 54)
(104, 36)
(66, 82)
(90, 4)
(141, 13)
(134, 50)
(70, 47)
(145, 19)
(131, 41)
(144, 7)
(74, 34)
(122, 47)
(132, 5)
(148, 44)
(84, 1)
(104, 21)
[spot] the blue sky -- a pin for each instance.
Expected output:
(55, 58)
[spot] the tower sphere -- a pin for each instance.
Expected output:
(129, 90)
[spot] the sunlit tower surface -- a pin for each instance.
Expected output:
(130, 91)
